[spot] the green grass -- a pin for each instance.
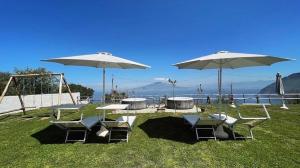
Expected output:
(157, 140)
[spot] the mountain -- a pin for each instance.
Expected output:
(154, 86)
(249, 85)
(291, 84)
(159, 88)
(164, 88)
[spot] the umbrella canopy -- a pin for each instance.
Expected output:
(230, 60)
(279, 89)
(99, 60)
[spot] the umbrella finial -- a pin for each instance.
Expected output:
(104, 53)
(222, 52)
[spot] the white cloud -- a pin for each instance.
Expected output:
(162, 79)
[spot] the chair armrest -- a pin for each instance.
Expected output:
(255, 118)
(129, 119)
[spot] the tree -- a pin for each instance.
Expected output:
(115, 96)
(84, 91)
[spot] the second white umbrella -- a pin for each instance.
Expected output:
(229, 60)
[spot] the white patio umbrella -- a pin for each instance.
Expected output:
(99, 60)
(279, 89)
(228, 60)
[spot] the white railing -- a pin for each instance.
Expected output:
(243, 98)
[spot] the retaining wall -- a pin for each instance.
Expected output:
(11, 103)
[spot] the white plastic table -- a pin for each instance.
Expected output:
(112, 107)
(66, 107)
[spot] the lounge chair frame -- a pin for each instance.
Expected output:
(211, 124)
(119, 125)
(246, 121)
(82, 125)
(204, 137)
(256, 121)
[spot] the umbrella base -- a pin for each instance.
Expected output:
(284, 107)
(220, 133)
(232, 105)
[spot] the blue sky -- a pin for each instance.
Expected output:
(154, 32)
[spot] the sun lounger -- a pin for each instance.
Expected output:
(122, 124)
(198, 124)
(82, 125)
(250, 122)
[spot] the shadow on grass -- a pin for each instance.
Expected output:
(170, 128)
(54, 135)
(174, 128)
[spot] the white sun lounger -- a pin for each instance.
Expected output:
(195, 121)
(122, 124)
(82, 125)
(250, 122)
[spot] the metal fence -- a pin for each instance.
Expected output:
(290, 98)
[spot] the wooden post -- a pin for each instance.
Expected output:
(69, 90)
(19, 95)
(5, 89)
(60, 89)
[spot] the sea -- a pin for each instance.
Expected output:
(240, 96)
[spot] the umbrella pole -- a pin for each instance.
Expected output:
(283, 103)
(103, 92)
(103, 86)
(220, 133)
(220, 90)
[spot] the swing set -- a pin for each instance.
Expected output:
(21, 81)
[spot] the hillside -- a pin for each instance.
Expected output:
(291, 85)
(160, 88)
(163, 88)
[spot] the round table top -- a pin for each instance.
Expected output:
(134, 99)
(180, 98)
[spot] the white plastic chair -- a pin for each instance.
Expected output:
(250, 122)
(82, 125)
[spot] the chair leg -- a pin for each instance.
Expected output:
(67, 135)
(234, 137)
(251, 133)
(214, 133)
(85, 133)
(109, 135)
(197, 136)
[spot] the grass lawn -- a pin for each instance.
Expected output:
(157, 140)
